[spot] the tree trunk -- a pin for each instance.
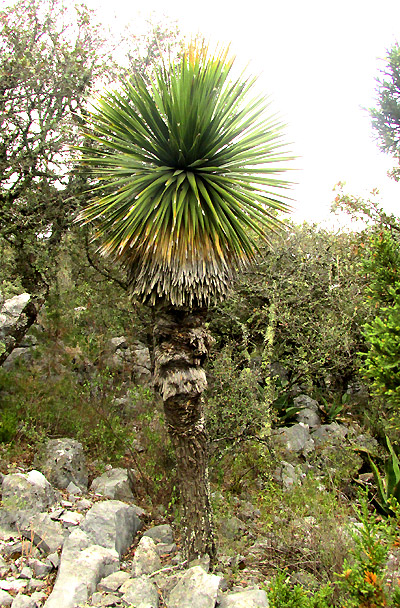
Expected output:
(181, 346)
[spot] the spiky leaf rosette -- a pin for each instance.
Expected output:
(186, 174)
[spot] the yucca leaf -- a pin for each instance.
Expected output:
(379, 482)
(185, 171)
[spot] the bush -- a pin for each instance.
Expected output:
(300, 304)
(282, 594)
(364, 577)
(235, 405)
(381, 362)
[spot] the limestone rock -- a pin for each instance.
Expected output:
(13, 586)
(133, 356)
(141, 594)
(111, 524)
(231, 527)
(250, 598)
(27, 492)
(64, 461)
(114, 484)
(11, 310)
(46, 534)
(40, 569)
(82, 566)
(288, 475)
(5, 598)
(329, 433)
(113, 582)
(165, 549)
(296, 439)
(161, 534)
(24, 601)
(146, 559)
(308, 413)
(195, 589)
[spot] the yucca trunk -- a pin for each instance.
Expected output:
(181, 346)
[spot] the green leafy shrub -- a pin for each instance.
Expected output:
(389, 485)
(381, 361)
(8, 426)
(363, 576)
(282, 594)
(235, 406)
(302, 305)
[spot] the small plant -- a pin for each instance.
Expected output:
(389, 485)
(363, 577)
(8, 426)
(333, 408)
(284, 409)
(282, 594)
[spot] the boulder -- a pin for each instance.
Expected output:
(329, 433)
(288, 475)
(40, 569)
(64, 461)
(43, 532)
(195, 589)
(250, 598)
(308, 413)
(27, 492)
(114, 484)
(82, 567)
(134, 356)
(5, 599)
(146, 559)
(161, 534)
(111, 583)
(10, 312)
(231, 527)
(111, 524)
(24, 601)
(142, 593)
(21, 354)
(295, 439)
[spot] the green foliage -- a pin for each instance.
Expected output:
(49, 62)
(381, 262)
(310, 278)
(282, 594)
(381, 362)
(386, 117)
(285, 412)
(185, 171)
(363, 577)
(52, 56)
(332, 408)
(60, 406)
(8, 426)
(235, 409)
(389, 485)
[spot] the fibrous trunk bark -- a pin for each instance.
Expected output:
(181, 346)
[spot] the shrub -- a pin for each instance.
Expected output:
(282, 594)
(302, 302)
(381, 362)
(363, 579)
(235, 406)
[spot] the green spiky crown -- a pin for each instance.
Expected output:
(186, 171)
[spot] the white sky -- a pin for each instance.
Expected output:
(318, 60)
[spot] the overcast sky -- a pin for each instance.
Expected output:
(318, 61)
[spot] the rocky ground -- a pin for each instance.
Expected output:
(62, 546)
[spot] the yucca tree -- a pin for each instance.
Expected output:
(186, 173)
